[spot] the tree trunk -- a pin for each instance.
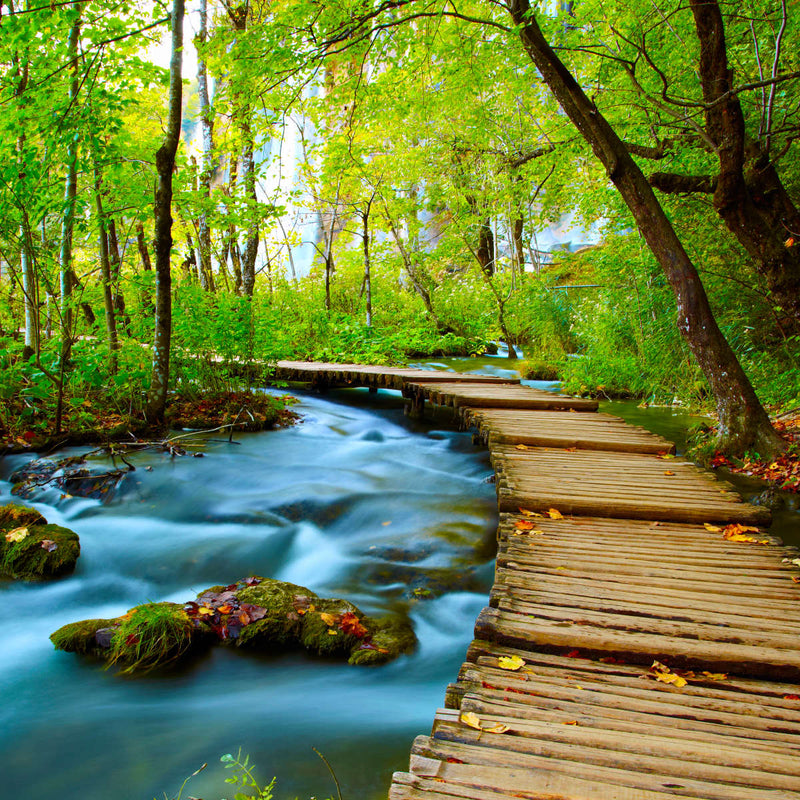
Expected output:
(66, 272)
(165, 164)
(30, 290)
(743, 422)
(206, 163)
(105, 271)
(367, 276)
(485, 251)
(749, 195)
(144, 254)
(116, 276)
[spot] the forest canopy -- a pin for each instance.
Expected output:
(378, 181)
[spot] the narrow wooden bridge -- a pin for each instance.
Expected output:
(638, 645)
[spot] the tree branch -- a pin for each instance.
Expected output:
(672, 183)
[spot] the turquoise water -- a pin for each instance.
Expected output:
(356, 502)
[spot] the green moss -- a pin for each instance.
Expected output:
(81, 637)
(285, 604)
(149, 636)
(391, 637)
(538, 370)
(45, 551)
(14, 516)
(324, 638)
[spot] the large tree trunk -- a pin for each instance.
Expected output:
(116, 275)
(749, 194)
(485, 251)
(165, 164)
(243, 116)
(743, 422)
(105, 271)
(206, 163)
(66, 272)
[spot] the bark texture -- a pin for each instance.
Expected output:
(743, 422)
(165, 164)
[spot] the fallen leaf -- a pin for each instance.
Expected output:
(668, 472)
(715, 676)
(332, 632)
(796, 579)
(789, 242)
(554, 513)
(17, 535)
(791, 697)
(522, 447)
(471, 719)
(351, 625)
(712, 528)
(205, 611)
(225, 608)
(512, 663)
(525, 512)
(524, 525)
(671, 677)
(573, 654)
(496, 727)
(571, 722)
(329, 619)
(49, 545)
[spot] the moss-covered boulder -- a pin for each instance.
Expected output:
(16, 516)
(257, 613)
(37, 550)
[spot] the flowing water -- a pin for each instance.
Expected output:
(356, 501)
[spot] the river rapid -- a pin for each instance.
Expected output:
(356, 501)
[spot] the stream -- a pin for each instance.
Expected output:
(356, 501)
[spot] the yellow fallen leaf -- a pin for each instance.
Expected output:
(524, 525)
(554, 513)
(527, 513)
(571, 722)
(668, 472)
(522, 447)
(512, 663)
(471, 719)
(329, 619)
(715, 676)
(17, 535)
(671, 677)
(205, 611)
(332, 632)
(712, 528)
(496, 727)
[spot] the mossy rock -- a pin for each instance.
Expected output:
(323, 633)
(253, 613)
(152, 635)
(538, 370)
(38, 551)
(285, 604)
(391, 637)
(82, 637)
(14, 516)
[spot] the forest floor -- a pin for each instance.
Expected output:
(97, 421)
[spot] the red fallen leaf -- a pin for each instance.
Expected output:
(191, 608)
(131, 639)
(573, 654)
(351, 624)
(28, 436)
(252, 581)
(231, 587)
(254, 612)
(451, 760)
(611, 660)
(791, 697)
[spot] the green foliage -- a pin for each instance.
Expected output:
(149, 636)
(243, 778)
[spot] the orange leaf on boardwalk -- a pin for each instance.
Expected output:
(712, 528)
(668, 472)
(522, 447)
(524, 525)
(554, 513)
(526, 513)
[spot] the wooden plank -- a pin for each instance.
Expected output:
(431, 748)
(634, 646)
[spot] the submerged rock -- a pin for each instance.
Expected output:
(32, 549)
(68, 474)
(255, 613)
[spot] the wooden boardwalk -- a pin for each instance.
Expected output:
(613, 555)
